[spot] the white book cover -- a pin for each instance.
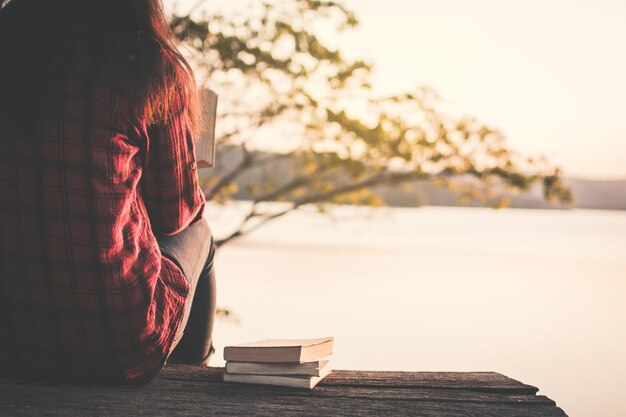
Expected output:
(315, 368)
(280, 350)
(280, 380)
(205, 146)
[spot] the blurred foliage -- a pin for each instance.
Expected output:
(228, 315)
(277, 74)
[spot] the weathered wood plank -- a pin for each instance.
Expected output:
(208, 403)
(473, 381)
(470, 381)
(193, 379)
(183, 390)
(402, 394)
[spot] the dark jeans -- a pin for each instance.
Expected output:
(193, 250)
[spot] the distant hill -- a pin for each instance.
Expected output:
(610, 195)
(591, 194)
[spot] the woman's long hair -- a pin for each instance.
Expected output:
(38, 37)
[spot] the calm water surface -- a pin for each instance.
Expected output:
(536, 295)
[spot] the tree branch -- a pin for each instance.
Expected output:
(390, 178)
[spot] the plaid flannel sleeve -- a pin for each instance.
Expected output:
(170, 188)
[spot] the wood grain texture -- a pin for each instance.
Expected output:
(473, 381)
(185, 390)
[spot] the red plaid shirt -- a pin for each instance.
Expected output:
(85, 294)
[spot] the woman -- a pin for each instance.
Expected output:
(103, 246)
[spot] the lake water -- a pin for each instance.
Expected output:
(534, 294)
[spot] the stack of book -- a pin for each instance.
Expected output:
(298, 363)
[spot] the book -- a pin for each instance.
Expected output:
(280, 350)
(205, 146)
(285, 381)
(315, 368)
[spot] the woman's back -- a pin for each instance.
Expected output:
(85, 185)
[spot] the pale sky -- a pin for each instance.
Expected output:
(551, 74)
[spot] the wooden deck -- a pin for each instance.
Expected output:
(193, 391)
